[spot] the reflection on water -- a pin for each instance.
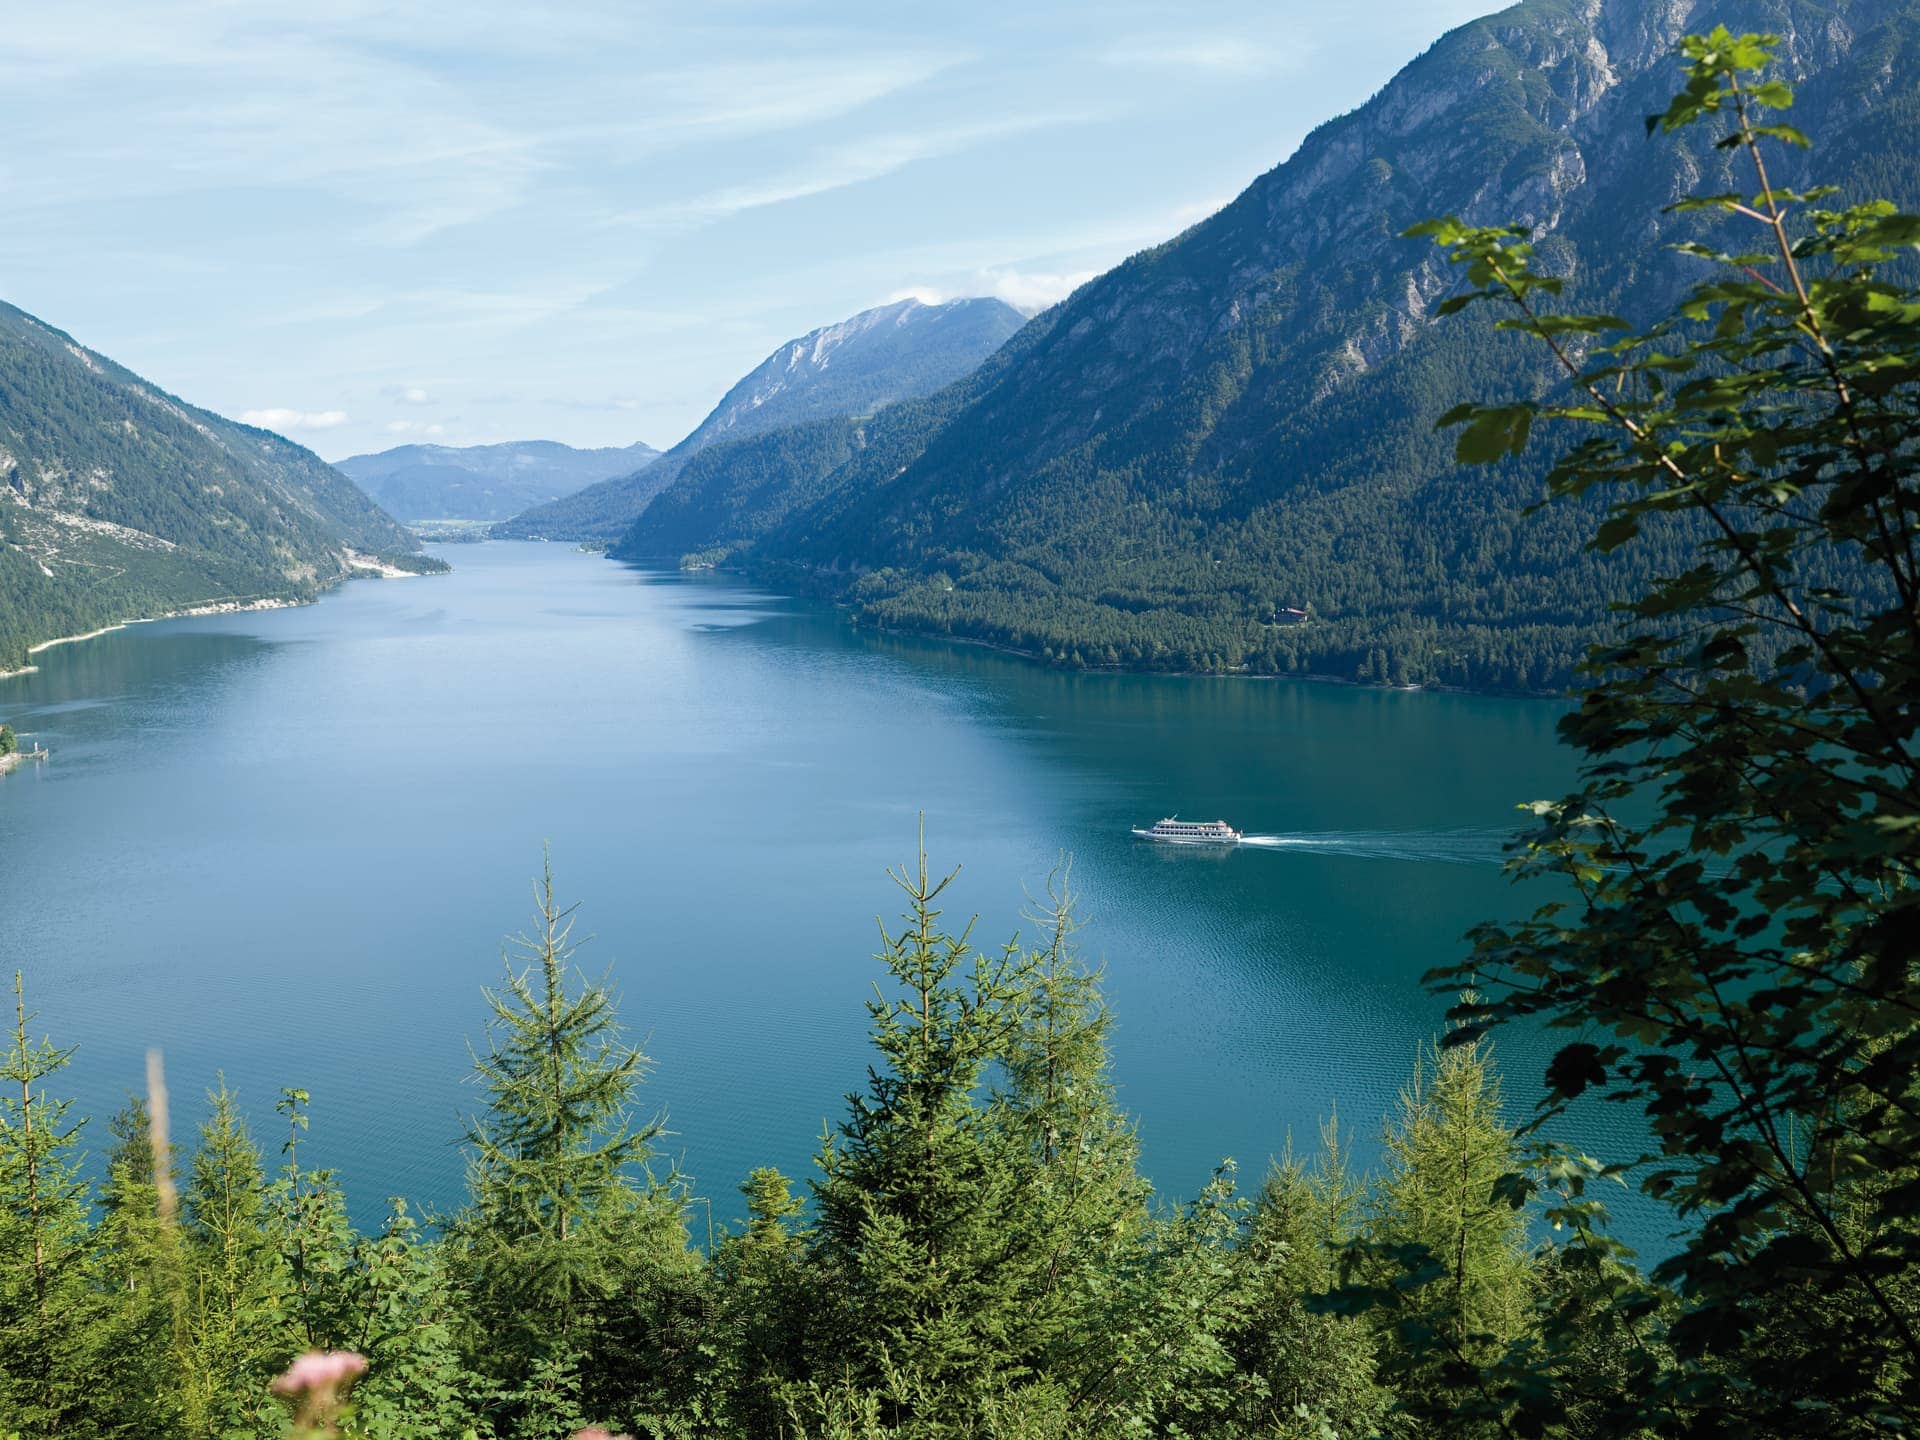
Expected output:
(286, 845)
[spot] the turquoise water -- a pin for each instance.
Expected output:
(286, 846)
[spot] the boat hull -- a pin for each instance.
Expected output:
(1215, 840)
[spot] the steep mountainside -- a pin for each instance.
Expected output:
(485, 482)
(1238, 425)
(730, 494)
(891, 353)
(777, 488)
(118, 500)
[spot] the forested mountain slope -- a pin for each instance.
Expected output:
(118, 500)
(485, 482)
(890, 353)
(781, 485)
(1239, 423)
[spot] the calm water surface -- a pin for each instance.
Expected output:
(286, 846)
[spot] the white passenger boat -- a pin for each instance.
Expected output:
(1189, 832)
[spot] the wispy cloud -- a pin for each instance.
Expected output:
(1220, 55)
(599, 214)
(428, 428)
(379, 114)
(276, 418)
(839, 166)
(600, 403)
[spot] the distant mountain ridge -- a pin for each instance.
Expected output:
(1238, 424)
(485, 482)
(890, 353)
(118, 500)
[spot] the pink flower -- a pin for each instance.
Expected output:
(320, 1371)
(594, 1432)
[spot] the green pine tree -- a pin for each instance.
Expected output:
(563, 1224)
(316, 1239)
(921, 1220)
(1301, 1373)
(1074, 1156)
(1445, 1238)
(768, 1303)
(52, 1319)
(237, 1333)
(141, 1269)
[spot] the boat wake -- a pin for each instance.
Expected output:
(1484, 846)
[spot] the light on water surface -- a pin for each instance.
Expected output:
(286, 846)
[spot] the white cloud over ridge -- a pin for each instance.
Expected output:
(277, 418)
(1028, 291)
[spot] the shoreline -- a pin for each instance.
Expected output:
(862, 620)
(359, 567)
(211, 607)
(10, 763)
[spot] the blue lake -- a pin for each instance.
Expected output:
(286, 846)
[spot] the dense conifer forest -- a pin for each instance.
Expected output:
(1723, 941)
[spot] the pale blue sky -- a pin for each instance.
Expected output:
(478, 221)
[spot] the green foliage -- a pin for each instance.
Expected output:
(1443, 1263)
(1728, 946)
(1732, 946)
(235, 1329)
(9, 742)
(141, 1272)
(51, 1316)
(916, 1215)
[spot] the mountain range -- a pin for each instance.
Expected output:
(889, 353)
(118, 500)
(1221, 454)
(485, 482)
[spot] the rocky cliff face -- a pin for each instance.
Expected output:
(881, 355)
(1530, 116)
(1244, 414)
